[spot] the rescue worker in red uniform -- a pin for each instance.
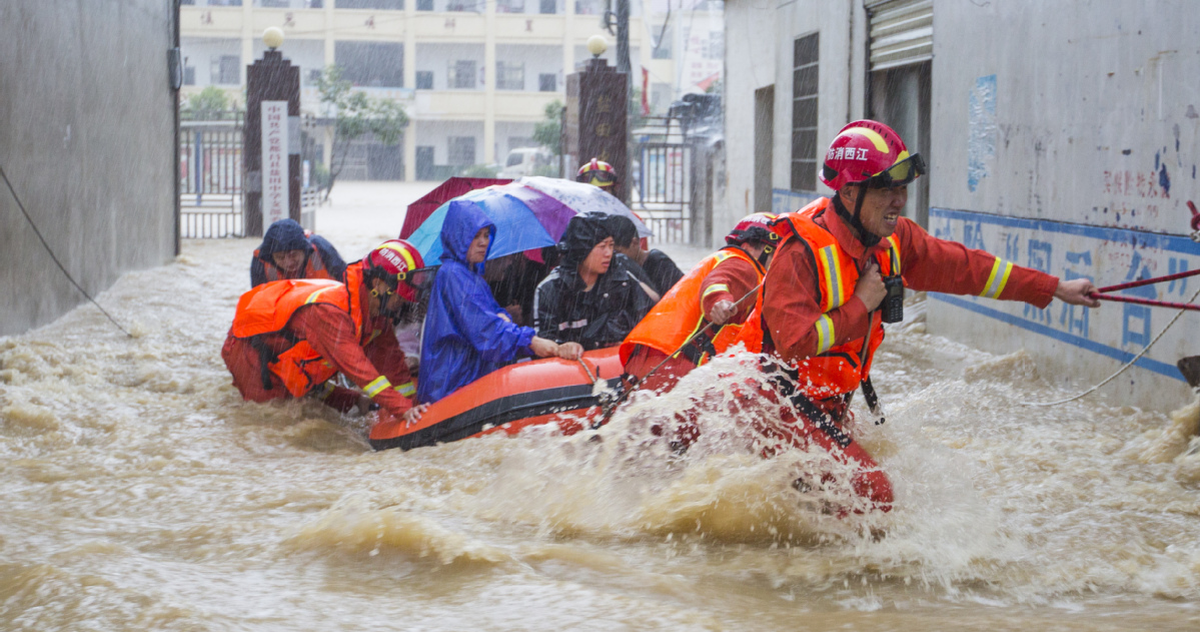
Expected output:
(290, 337)
(818, 313)
(709, 293)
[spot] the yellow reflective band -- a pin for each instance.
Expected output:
(894, 252)
(870, 135)
(829, 263)
(824, 329)
(407, 389)
(997, 279)
(326, 390)
(715, 287)
(377, 385)
(313, 297)
(403, 253)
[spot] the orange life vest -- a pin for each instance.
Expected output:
(267, 309)
(314, 267)
(835, 369)
(680, 314)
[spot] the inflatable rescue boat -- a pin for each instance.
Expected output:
(543, 391)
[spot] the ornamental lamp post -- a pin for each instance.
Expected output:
(272, 138)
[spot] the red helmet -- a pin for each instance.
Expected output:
(869, 151)
(598, 173)
(760, 227)
(394, 261)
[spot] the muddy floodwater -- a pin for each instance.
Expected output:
(139, 492)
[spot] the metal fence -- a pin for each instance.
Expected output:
(211, 175)
(662, 188)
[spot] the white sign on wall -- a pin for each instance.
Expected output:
(274, 161)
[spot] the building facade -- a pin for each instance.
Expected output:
(474, 76)
(1059, 136)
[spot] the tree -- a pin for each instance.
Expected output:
(355, 114)
(209, 103)
(548, 132)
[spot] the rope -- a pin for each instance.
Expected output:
(587, 370)
(1122, 369)
(52, 256)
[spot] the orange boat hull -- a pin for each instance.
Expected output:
(509, 399)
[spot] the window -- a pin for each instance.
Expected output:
(189, 75)
(424, 5)
(548, 82)
(314, 75)
(371, 64)
(589, 7)
(462, 150)
(225, 69)
(462, 74)
(548, 7)
(510, 6)
(510, 75)
(424, 80)
(804, 112)
(274, 4)
(396, 5)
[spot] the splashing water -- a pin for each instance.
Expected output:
(139, 492)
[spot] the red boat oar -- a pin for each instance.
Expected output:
(1145, 301)
(1100, 294)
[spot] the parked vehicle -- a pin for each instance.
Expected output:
(524, 161)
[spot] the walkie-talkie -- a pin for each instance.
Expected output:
(892, 307)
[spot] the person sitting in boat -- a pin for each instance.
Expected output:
(290, 252)
(658, 268)
(717, 294)
(467, 334)
(836, 278)
(591, 299)
(289, 337)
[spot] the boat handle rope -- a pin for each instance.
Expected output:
(592, 378)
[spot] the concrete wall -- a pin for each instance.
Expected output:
(1064, 137)
(1072, 149)
(87, 138)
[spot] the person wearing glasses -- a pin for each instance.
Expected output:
(289, 337)
(840, 274)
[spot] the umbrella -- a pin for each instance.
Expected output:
(582, 198)
(518, 227)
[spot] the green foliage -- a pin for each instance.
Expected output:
(354, 115)
(209, 103)
(480, 171)
(320, 176)
(548, 131)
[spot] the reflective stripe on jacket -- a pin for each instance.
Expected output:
(680, 314)
(835, 369)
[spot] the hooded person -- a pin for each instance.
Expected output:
(467, 333)
(290, 252)
(591, 298)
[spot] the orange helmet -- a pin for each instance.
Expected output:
(395, 261)
(598, 173)
(871, 152)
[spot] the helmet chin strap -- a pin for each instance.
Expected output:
(865, 236)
